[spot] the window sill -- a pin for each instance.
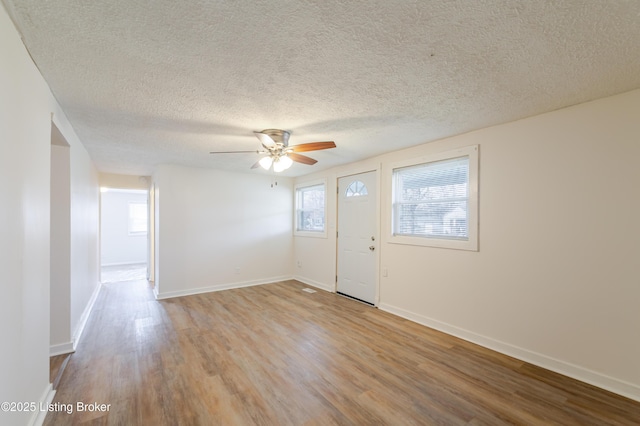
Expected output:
(310, 234)
(468, 245)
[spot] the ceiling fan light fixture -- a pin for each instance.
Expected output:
(286, 161)
(278, 154)
(281, 164)
(266, 162)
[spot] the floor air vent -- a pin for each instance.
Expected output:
(308, 290)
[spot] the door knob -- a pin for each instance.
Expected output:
(372, 248)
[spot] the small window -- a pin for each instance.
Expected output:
(137, 218)
(356, 189)
(435, 202)
(310, 210)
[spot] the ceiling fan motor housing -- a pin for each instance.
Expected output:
(280, 137)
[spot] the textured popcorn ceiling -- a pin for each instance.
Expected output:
(165, 81)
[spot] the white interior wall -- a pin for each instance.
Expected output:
(555, 281)
(117, 247)
(218, 229)
(60, 303)
(25, 126)
(85, 226)
(26, 110)
(151, 265)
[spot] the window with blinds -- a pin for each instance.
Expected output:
(435, 202)
(310, 208)
(432, 200)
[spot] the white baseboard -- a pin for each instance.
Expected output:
(582, 374)
(61, 348)
(37, 419)
(77, 334)
(218, 287)
(70, 347)
(313, 283)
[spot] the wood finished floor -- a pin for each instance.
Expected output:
(57, 365)
(275, 355)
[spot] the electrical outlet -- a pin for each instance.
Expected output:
(237, 269)
(299, 264)
(385, 273)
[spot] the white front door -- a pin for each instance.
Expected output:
(357, 236)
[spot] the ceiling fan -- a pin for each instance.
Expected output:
(278, 153)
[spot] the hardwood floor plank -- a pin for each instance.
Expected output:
(275, 355)
(57, 366)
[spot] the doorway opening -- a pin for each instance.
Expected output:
(60, 338)
(124, 234)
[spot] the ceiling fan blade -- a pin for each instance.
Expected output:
(302, 158)
(256, 165)
(313, 146)
(233, 152)
(265, 140)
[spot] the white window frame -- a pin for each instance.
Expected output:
(129, 219)
(307, 233)
(470, 243)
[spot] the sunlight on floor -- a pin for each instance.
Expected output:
(116, 273)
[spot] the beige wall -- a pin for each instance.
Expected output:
(555, 281)
(218, 229)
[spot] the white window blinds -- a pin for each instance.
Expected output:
(310, 208)
(431, 200)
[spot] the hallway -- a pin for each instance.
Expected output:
(120, 273)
